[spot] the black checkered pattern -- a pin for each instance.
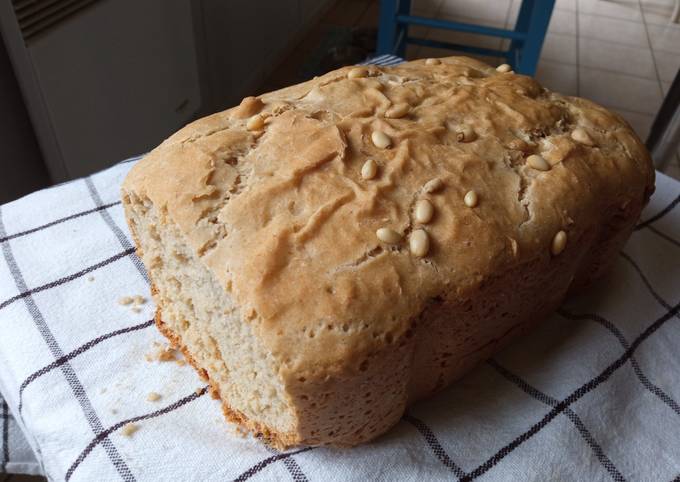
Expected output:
(434, 441)
(101, 435)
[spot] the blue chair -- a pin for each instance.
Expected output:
(526, 38)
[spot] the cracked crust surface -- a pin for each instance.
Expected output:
(285, 223)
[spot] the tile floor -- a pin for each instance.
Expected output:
(622, 54)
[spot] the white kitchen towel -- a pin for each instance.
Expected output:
(591, 394)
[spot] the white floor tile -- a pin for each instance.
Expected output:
(566, 5)
(641, 123)
(488, 22)
(563, 21)
(558, 77)
(560, 48)
(616, 30)
(665, 37)
(657, 3)
(512, 14)
(656, 13)
(617, 58)
(495, 10)
(464, 38)
(623, 9)
(665, 87)
(620, 91)
(667, 64)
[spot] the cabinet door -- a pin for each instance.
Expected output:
(117, 78)
(309, 9)
(244, 42)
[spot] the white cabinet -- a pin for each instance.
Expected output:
(107, 79)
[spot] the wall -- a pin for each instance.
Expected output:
(21, 166)
(245, 42)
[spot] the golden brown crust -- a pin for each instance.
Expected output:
(285, 222)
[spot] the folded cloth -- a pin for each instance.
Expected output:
(17, 455)
(592, 393)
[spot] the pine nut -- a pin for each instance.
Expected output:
(424, 211)
(381, 140)
(433, 185)
(249, 106)
(503, 68)
(433, 62)
(419, 243)
(357, 73)
(255, 123)
(582, 137)
(559, 243)
(388, 235)
(397, 111)
(537, 162)
(471, 199)
(369, 169)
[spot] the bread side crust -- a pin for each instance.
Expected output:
(272, 437)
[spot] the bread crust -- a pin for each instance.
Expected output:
(282, 218)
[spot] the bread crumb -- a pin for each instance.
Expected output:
(153, 397)
(161, 353)
(103, 390)
(90, 278)
(166, 354)
(198, 391)
(125, 300)
(114, 411)
(128, 429)
(181, 362)
(136, 309)
(139, 300)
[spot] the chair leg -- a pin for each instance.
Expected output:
(522, 25)
(538, 26)
(387, 29)
(402, 30)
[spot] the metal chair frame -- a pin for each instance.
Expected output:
(526, 39)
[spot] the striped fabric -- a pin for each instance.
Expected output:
(384, 60)
(591, 394)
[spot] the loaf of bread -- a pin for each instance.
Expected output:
(330, 253)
